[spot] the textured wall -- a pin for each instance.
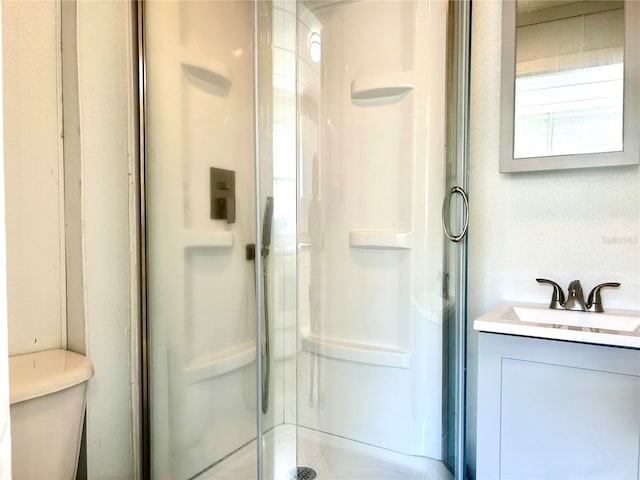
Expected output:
(564, 225)
(34, 193)
(32, 149)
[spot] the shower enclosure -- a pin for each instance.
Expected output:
(304, 308)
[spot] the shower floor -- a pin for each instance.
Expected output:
(333, 458)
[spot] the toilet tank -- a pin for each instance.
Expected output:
(47, 395)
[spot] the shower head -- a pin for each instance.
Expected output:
(266, 226)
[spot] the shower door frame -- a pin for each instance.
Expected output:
(145, 429)
(458, 58)
(144, 420)
(457, 158)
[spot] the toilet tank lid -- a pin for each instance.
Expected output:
(36, 374)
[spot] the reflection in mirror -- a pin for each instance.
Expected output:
(570, 84)
(569, 77)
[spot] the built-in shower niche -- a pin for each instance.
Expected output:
(215, 102)
(368, 402)
(219, 296)
(368, 192)
(212, 404)
(209, 124)
(379, 396)
(211, 356)
(377, 156)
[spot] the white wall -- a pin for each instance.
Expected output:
(5, 432)
(107, 131)
(74, 269)
(34, 196)
(33, 156)
(563, 225)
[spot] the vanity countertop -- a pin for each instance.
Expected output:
(504, 319)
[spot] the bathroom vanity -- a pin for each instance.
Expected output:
(558, 400)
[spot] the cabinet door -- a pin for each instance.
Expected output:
(565, 422)
(557, 410)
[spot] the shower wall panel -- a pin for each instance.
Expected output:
(371, 184)
(201, 287)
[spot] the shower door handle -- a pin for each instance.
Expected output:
(445, 210)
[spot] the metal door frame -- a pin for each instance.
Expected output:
(457, 182)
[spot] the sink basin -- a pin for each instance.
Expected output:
(606, 321)
(617, 328)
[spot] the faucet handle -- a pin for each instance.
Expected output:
(557, 299)
(594, 302)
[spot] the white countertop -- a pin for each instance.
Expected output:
(503, 319)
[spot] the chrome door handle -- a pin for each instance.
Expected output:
(445, 208)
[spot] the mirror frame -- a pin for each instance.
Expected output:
(630, 155)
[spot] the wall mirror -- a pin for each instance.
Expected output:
(569, 93)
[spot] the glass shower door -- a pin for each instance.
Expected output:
(276, 67)
(373, 301)
(200, 172)
(299, 293)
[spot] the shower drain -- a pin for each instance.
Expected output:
(303, 473)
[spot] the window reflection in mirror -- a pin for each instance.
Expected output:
(569, 77)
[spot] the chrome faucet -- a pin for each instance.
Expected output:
(575, 297)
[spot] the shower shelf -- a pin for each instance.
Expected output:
(379, 239)
(388, 86)
(207, 238)
(356, 352)
(211, 366)
(207, 69)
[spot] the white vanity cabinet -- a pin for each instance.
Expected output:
(550, 409)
